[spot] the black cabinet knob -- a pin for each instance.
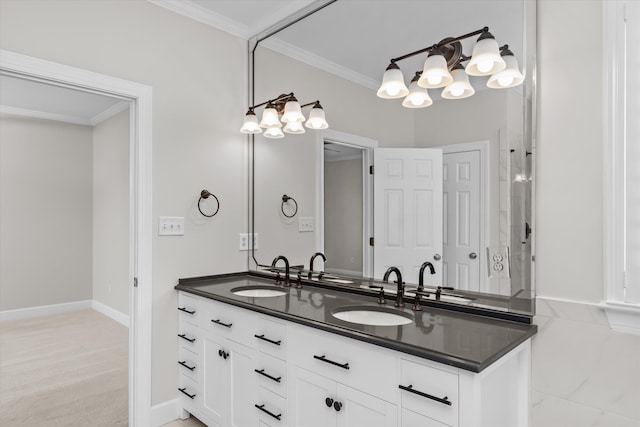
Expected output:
(223, 354)
(337, 406)
(328, 401)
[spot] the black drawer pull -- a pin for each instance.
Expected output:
(187, 311)
(324, 359)
(226, 325)
(261, 337)
(183, 390)
(184, 337)
(445, 400)
(262, 372)
(261, 407)
(191, 368)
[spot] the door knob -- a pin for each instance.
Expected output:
(437, 257)
(473, 255)
(329, 402)
(337, 406)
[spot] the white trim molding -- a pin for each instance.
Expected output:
(622, 317)
(111, 313)
(44, 310)
(165, 412)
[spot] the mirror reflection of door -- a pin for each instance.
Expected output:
(461, 204)
(344, 176)
(408, 214)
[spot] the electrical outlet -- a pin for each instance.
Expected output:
(498, 263)
(171, 226)
(248, 241)
(305, 224)
(244, 242)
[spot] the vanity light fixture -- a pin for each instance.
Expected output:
(283, 109)
(443, 68)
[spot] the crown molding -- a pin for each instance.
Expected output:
(321, 63)
(4, 109)
(109, 112)
(206, 16)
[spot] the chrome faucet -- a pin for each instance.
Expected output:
(421, 274)
(286, 268)
(313, 258)
(400, 294)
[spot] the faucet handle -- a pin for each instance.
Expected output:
(381, 295)
(416, 302)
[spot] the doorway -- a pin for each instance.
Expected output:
(343, 162)
(140, 233)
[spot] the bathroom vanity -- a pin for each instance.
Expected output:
(253, 352)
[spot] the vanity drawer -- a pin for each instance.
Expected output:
(354, 363)
(190, 394)
(188, 309)
(189, 337)
(413, 419)
(275, 405)
(270, 336)
(190, 363)
(429, 391)
(273, 373)
(226, 320)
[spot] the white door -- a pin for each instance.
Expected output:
(461, 202)
(408, 211)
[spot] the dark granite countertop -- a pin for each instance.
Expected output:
(468, 341)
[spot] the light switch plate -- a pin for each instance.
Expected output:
(171, 226)
(305, 224)
(498, 262)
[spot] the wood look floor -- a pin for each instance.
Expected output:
(66, 369)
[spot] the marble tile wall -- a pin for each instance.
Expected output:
(583, 374)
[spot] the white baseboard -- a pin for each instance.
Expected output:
(165, 412)
(111, 313)
(44, 310)
(622, 317)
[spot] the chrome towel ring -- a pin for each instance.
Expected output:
(204, 194)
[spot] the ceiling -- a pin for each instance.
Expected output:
(354, 39)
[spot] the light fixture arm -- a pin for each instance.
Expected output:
(440, 44)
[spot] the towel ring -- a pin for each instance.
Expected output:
(204, 194)
(285, 199)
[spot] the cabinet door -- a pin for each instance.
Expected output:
(243, 388)
(361, 409)
(308, 396)
(216, 378)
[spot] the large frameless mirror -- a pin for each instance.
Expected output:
(314, 191)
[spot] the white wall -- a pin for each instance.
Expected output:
(583, 374)
(199, 93)
(45, 212)
(111, 212)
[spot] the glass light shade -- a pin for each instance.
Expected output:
(418, 97)
(485, 58)
(270, 118)
(435, 73)
(273, 133)
(294, 128)
(292, 112)
(316, 119)
(460, 87)
(250, 124)
(509, 77)
(392, 86)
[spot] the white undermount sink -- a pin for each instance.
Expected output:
(370, 315)
(258, 291)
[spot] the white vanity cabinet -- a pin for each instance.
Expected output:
(253, 369)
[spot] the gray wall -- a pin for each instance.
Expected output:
(45, 212)
(343, 215)
(111, 212)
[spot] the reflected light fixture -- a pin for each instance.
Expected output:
(443, 68)
(283, 109)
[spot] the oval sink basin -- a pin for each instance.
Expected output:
(370, 315)
(258, 291)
